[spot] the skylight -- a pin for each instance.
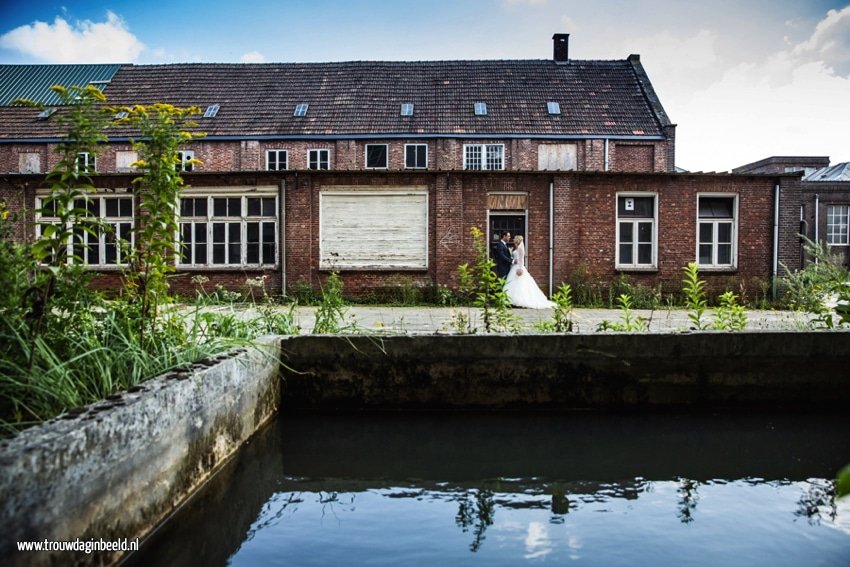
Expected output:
(301, 109)
(554, 107)
(211, 110)
(122, 114)
(46, 113)
(480, 108)
(407, 109)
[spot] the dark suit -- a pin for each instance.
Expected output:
(503, 259)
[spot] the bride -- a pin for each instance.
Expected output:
(521, 288)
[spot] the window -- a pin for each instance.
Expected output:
(837, 222)
(228, 230)
(45, 114)
(86, 162)
(553, 107)
(407, 109)
(102, 231)
(318, 159)
(716, 232)
(393, 222)
(484, 156)
(636, 231)
(301, 109)
(480, 108)
(211, 110)
(416, 156)
(376, 156)
(277, 160)
(184, 161)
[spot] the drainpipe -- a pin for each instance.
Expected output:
(775, 237)
(817, 224)
(282, 231)
(551, 234)
(606, 155)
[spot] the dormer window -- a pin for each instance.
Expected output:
(480, 109)
(553, 107)
(407, 109)
(211, 110)
(301, 109)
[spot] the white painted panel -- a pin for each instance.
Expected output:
(374, 230)
(29, 163)
(124, 160)
(556, 157)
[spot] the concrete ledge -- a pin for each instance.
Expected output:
(700, 370)
(121, 466)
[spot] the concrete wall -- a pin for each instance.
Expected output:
(117, 469)
(685, 370)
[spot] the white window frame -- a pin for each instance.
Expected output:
(277, 153)
(87, 161)
(101, 239)
(634, 223)
(479, 157)
(244, 220)
(838, 225)
(183, 159)
(386, 156)
(715, 223)
(416, 156)
(314, 156)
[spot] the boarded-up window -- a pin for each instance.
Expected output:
(380, 230)
(556, 157)
(29, 163)
(124, 160)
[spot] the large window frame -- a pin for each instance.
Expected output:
(636, 231)
(225, 230)
(484, 157)
(838, 225)
(277, 160)
(377, 156)
(717, 231)
(319, 159)
(416, 156)
(102, 234)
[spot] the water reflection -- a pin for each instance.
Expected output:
(425, 489)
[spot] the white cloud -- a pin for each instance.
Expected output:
(830, 42)
(84, 42)
(252, 57)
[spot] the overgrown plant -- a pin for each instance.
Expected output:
(162, 132)
(485, 289)
(629, 323)
(730, 316)
(694, 290)
(330, 315)
(822, 288)
(562, 314)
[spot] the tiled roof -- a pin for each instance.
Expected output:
(597, 98)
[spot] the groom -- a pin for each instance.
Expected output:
(502, 255)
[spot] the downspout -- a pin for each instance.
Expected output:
(282, 200)
(817, 224)
(775, 238)
(605, 167)
(551, 234)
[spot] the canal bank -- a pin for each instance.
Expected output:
(116, 469)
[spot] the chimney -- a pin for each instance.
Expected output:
(562, 47)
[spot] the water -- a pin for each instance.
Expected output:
(507, 489)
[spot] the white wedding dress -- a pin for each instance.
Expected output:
(521, 288)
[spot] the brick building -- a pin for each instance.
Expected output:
(379, 169)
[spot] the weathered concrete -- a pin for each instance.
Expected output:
(705, 369)
(118, 468)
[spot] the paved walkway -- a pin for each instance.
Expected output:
(418, 320)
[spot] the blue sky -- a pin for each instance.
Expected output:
(743, 79)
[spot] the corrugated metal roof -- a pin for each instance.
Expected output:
(34, 81)
(838, 172)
